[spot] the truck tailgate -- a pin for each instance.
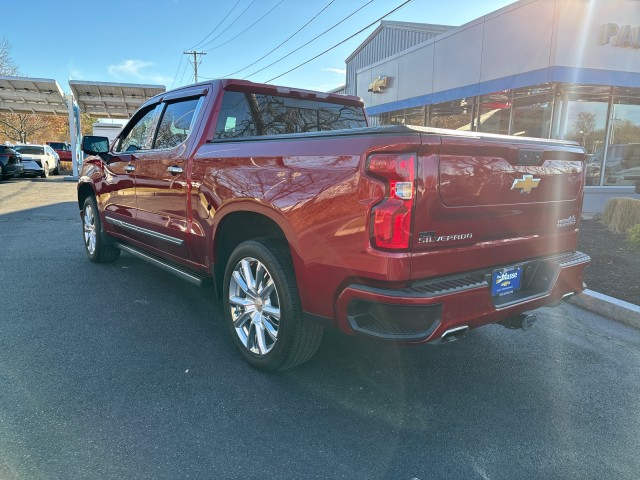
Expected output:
(486, 200)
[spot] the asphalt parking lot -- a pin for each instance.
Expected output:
(124, 371)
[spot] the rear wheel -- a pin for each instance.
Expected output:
(262, 307)
(97, 250)
(56, 171)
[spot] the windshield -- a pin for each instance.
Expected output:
(59, 146)
(29, 150)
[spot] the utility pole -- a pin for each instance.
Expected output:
(195, 63)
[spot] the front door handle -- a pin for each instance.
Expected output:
(174, 170)
(129, 168)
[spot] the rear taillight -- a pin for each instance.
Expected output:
(391, 215)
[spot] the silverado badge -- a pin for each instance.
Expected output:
(525, 184)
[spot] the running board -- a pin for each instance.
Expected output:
(190, 277)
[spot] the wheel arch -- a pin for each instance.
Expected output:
(240, 225)
(85, 189)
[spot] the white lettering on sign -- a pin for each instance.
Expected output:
(624, 36)
(506, 276)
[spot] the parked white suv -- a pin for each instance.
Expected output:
(42, 155)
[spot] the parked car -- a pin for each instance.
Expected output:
(31, 168)
(43, 156)
(62, 149)
(621, 168)
(10, 162)
(304, 217)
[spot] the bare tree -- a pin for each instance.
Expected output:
(20, 127)
(585, 125)
(7, 67)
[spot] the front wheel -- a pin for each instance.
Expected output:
(45, 170)
(262, 307)
(94, 243)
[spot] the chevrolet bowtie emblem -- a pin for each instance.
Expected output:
(379, 84)
(525, 184)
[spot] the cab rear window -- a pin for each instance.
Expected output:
(249, 114)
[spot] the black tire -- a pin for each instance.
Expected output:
(296, 340)
(56, 170)
(95, 245)
(2, 174)
(45, 170)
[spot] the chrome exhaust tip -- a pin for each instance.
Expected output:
(523, 321)
(454, 334)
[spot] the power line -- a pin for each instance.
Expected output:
(289, 38)
(177, 71)
(230, 25)
(183, 72)
(217, 26)
(250, 26)
(340, 43)
(310, 41)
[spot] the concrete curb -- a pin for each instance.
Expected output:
(619, 310)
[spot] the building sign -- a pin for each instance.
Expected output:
(620, 35)
(379, 84)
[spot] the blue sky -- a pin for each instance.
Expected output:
(142, 41)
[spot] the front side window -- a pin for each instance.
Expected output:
(140, 136)
(176, 123)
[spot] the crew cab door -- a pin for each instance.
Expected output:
(120, 209)
(161, 179)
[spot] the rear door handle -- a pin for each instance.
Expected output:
(174, 170)
(129, 168)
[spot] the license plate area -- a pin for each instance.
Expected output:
(505, 281)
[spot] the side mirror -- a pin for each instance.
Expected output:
(93, 145)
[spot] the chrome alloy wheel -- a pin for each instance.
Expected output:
(89, 228)
(255, 307)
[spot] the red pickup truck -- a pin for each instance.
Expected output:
(62, 149)
(304, 217)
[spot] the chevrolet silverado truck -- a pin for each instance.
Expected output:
(302, 217)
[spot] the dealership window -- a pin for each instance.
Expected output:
(494, 112)
(532, 111)
(622, 163)
(582, 116)
(454, 115)
(396, 117)
(415, 116)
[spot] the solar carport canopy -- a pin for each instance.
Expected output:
(40, 96)
(111, 100)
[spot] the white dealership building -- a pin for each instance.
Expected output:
(565, 69)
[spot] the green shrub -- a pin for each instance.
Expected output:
(621, 214)
(633, 236)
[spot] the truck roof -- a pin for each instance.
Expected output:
(247, 86)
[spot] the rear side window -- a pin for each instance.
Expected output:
(176, 123)
(248, 114)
